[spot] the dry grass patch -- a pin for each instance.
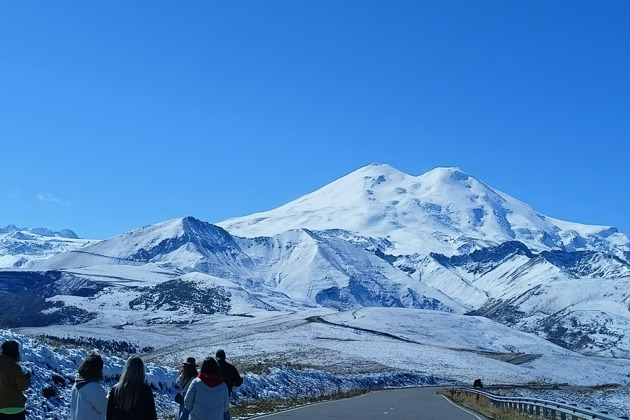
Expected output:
(482, 405)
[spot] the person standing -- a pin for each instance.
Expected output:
(13, 382)
(88, 399)
(187, 372)
(131, 398)
(207, 397)
(230, 373)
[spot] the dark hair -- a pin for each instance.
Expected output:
(220, 354)
(190, 370)
(11, 348)
(210, 366)
(128, 387)
(92, 367)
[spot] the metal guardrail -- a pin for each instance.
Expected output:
(542, 408)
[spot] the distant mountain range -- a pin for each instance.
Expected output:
(374, 238)
(21, 246)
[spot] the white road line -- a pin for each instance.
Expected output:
(306, 405)
(462, 408)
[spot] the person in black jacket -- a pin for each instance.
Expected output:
(230, 373)
(131, 398)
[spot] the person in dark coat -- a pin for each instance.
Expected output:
(13, 382)
(230, 373)
(131, 398)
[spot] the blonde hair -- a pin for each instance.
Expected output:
(127, 389)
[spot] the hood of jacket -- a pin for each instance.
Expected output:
(81, 382)
(211, 380)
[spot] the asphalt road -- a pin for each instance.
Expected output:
(407, 403)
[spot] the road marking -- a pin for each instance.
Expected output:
(306, 405)
(462, 408)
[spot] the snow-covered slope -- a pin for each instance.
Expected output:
(444, 210)
(331, 351)
(19, 247)
(333, 272)
(301, 266)
(577, 299)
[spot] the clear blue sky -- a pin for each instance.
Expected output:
(119, 114)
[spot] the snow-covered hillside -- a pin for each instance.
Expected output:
(304, 268)
(53, 369)
(320, 352)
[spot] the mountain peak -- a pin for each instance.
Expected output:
(376, 169)
(447, 174)
(441, 175)
(444, 210)
(375, 172)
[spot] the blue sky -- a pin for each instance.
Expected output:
(119, 114)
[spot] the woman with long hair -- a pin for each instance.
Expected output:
(89, 401)
(207, 397)
(131, 398)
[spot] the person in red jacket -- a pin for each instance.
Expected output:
(13, 382)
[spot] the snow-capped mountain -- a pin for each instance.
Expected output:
(375, 238)
(184, 245)
(444, 210)
(21, 246)
(481, 247)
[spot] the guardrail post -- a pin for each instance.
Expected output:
(563, 415)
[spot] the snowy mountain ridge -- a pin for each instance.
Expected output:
(63, 233)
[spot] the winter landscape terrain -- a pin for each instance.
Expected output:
(377, 279)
